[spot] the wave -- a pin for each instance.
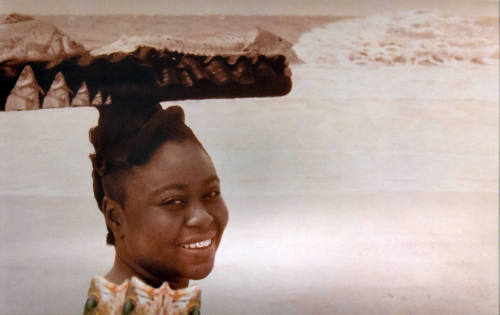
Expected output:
(409, 37)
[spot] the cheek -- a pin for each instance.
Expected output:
(221, 215)
(155, 228)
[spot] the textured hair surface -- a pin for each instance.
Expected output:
(127, 135)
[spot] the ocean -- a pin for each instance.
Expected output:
(371, 188)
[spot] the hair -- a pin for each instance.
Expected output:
(127, 135)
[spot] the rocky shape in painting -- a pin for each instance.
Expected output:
(251, 45)
(24, 38)
(25, 94)
(158, 67)
(82, 97)
(16, 17)
(58, 94)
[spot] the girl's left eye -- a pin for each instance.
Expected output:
(213, 194)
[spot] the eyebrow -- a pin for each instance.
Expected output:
(208, 180)
(170, 186)
(212, 178)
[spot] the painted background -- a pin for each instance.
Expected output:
(371, 188)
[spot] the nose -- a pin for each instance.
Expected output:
(198, 216)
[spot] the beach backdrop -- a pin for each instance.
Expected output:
(372, 188)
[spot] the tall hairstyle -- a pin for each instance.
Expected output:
(127, 135)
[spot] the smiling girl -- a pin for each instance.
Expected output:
(159, 192)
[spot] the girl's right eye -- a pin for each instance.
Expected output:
(173, 202)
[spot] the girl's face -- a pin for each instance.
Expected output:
(174, 214)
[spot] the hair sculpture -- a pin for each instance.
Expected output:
(127, 135)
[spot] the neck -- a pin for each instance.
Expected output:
(122, 271)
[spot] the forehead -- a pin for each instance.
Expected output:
(184, 163)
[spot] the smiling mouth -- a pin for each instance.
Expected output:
(198, 245)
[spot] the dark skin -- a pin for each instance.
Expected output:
(170, 224)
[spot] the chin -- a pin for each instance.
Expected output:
(199, 276)
(199, 271)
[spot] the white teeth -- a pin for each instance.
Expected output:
(82, 97)
(201, 244)
(58, 95)
(97, 101)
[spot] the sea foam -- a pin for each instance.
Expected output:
(401, 38)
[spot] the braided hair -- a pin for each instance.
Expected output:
(127, 135)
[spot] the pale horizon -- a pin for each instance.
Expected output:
(240, 7)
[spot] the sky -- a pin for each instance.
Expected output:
(289, 7)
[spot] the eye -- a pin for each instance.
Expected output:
(212, 194)
(173, 202)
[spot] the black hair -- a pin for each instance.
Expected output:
(127, 135)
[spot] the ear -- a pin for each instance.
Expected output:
(114, 216)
